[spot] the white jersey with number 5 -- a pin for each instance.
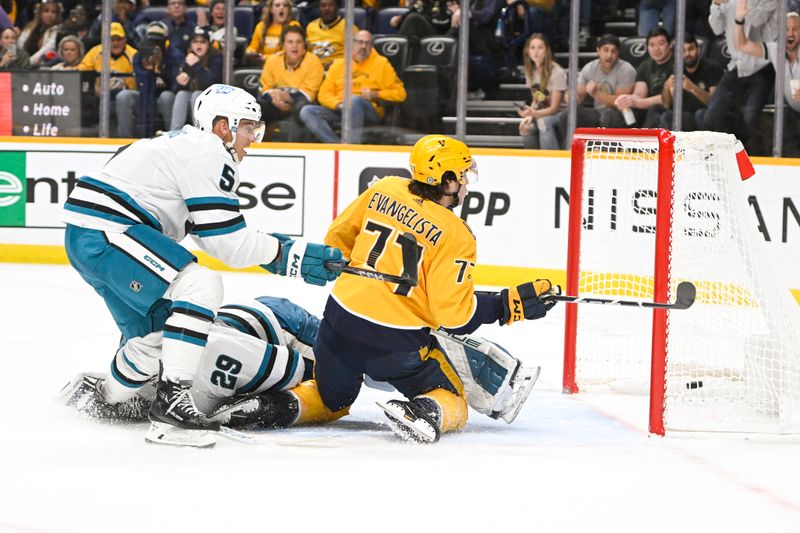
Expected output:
(183, 181)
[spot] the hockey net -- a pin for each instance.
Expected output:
(649, 209)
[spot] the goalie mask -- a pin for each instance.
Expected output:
(235, 105)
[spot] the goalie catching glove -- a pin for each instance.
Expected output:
(526, 302)
(300, 259)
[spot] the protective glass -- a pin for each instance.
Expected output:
(254, 132)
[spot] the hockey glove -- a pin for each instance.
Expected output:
(300, 259)
(522, 302)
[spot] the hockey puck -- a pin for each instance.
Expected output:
(694, 385)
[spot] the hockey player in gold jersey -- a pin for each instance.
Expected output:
(383, 330)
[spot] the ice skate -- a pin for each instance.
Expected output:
(85, 393)
(416, 420)
(175, 420)
(270, 410)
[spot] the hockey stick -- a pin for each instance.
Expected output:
(408, 244)
(684, 298)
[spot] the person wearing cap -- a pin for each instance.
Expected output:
(201, 68)
(121, 61)
(150, 72)
(39, 35)
(603, 79)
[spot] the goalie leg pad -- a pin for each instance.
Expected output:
(484, 367)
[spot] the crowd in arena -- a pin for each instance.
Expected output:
(165, 52)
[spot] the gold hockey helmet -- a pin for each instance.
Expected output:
(433, 155)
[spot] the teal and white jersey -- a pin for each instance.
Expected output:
(183, 181)
(254, 346)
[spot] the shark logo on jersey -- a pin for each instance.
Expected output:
(135, 286)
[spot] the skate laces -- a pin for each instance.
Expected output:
(184, 402)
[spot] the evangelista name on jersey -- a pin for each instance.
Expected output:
(405, 215)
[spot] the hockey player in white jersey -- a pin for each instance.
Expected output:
(124, 223)
(253, 346)
(262, 346)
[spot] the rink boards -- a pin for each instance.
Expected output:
(518, 210)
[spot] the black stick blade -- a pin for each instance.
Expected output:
(684, 295)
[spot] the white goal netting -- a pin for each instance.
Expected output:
(733, 359)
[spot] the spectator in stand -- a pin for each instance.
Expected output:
(70, 53)
(652, 73)
(76, 24)
(39, 35)
(700, 78)
(485, 52)
(12, 57)
(266, 40)
(747, 81)
(290, 79)
(122, 56)
(201, 69)
(604, 79)
(374, 80)
(791, 90)
(181, 30)
(214, 22)
(548, 83)
(153, 98)
(325, 35)
(424, 19)
(124, 13)
(651, 11)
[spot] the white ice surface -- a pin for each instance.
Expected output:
(568, 463)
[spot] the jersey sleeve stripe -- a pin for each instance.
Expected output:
(185, 335)
(237, 323)
(133, 366)
(219, 228)
(121, 379)
(291, 367)
(209, 203)
(191, 309)
(264, 370)
(213, 206)
(121, 198)
(254, 316)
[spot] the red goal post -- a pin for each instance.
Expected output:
(666, 146)
(651, 208)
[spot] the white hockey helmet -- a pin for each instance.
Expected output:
(233, 103)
